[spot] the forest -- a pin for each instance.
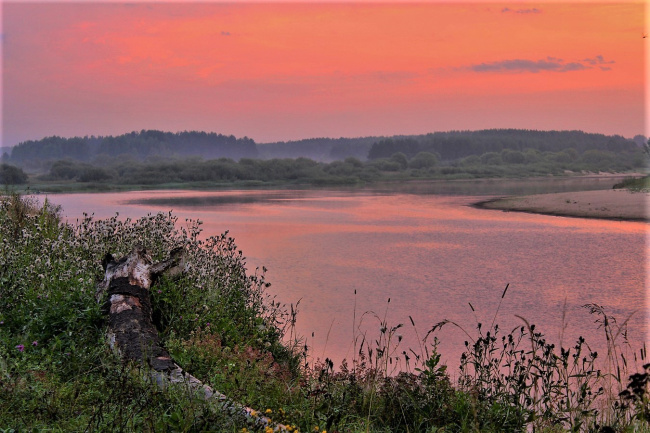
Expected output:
(138, 145)
(202, 159)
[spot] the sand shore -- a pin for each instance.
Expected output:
(616, 204)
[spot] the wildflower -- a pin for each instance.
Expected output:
(268, 430)
(267, 411)
(244, 430)
(34, 343)
(20, 348)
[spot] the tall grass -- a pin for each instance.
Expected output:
(220, 324)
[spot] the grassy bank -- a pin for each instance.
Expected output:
(220, 324)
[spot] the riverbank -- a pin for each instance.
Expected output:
(614, 204)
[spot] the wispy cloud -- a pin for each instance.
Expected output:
(551, 64)
(521, 11)
(598, 60)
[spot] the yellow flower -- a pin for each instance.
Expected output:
(268, 430)
(268, 411)
(244, 430)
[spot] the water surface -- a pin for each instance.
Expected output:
(431, 254)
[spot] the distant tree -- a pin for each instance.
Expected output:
(354, 162)
(596, 157)
(423, 160)
(562, 157)
(400, 158)
(531, 156)
(94, 174)
(12, 175)
(64, 170)
(491, 158)
(386, 148)
(385, 165)
(512, 156)
(471, 160)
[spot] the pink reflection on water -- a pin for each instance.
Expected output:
(431, 255)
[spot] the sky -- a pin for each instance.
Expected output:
(292, 70)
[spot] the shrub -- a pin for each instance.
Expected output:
(12, 175)
(423, 160)
(94, 174)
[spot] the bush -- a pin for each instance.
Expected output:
(12, 175)
(423, 160)
(491, 158)
(94, 174)
(55, 370)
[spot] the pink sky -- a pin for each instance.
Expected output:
(283, 71)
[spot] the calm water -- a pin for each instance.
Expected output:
(431, 254)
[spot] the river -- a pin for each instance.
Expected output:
(345, 252)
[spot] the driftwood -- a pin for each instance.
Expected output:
(125, 293)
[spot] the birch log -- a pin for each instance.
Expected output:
(125, 294)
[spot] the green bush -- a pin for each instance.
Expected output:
(12, 175)
(423, 160)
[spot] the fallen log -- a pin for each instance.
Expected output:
(125, 297)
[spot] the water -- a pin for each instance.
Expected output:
(431, 254)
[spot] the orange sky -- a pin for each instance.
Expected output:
(280, 71)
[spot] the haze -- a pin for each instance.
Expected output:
(284, 71)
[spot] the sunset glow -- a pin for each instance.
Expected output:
(280, 71)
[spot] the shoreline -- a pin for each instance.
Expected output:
(612, 204)
(72, 187)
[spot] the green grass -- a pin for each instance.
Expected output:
(635, 184)
(220, 324)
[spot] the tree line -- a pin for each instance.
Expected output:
(459, 144)
(155, 157)
(449, 146)
(423, 165)
(140, 145)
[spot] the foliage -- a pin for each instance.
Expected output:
(12, 175)
(635, 184)
(139, 145)
(424, 165)
(454, 145)
(51, 330)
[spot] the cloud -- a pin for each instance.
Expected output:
(598, 60)
(521, 11)
(550, 64)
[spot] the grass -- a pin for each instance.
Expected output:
(219, 323)
(635, 184)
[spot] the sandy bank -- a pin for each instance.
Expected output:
(617, 204)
